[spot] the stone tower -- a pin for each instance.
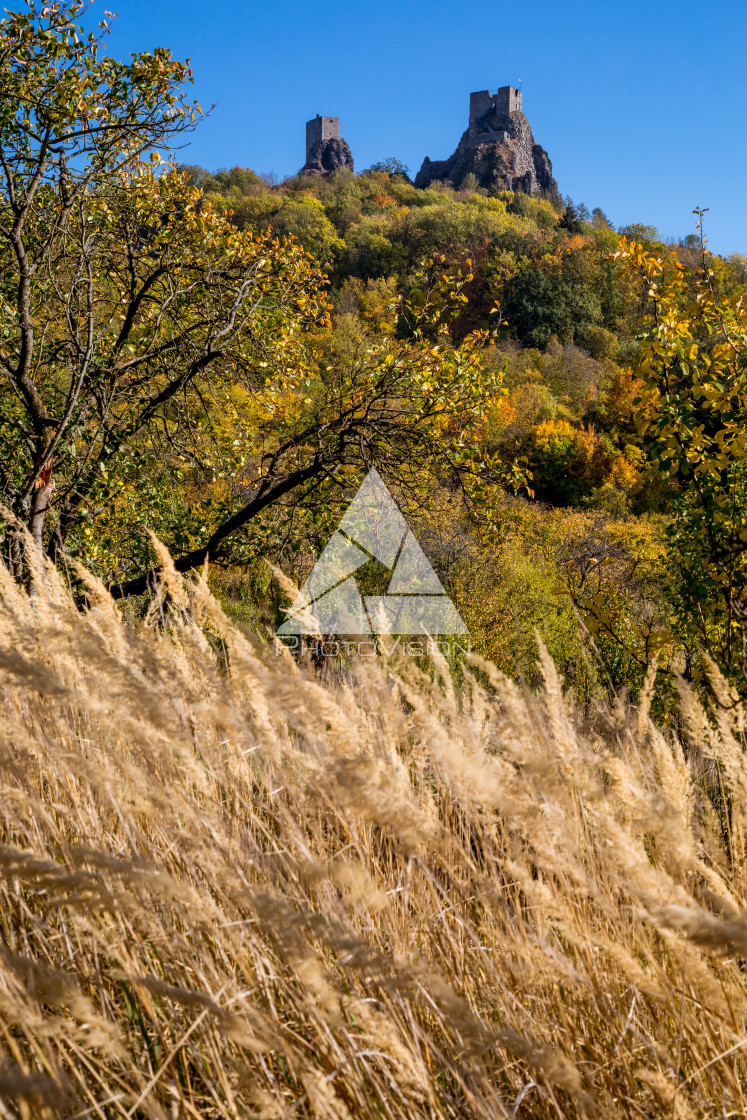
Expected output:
(325, 151)
(321, 128)
(485, 106)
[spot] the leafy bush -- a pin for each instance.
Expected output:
(567, 462)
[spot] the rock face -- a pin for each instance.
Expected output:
(498, 148)
(325, 156)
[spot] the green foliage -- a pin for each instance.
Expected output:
(233, 183)
(599, 220)
(305, 219)
(694, 409)
(534, 403)
(637, 231)
(566, 462)
(570, 220)
(371, 253)
(389, 166)
(469, 183)
(538, 307)
(599, 342)
(507, 598)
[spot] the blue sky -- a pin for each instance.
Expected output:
(640, 106)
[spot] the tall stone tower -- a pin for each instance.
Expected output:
(325, 151)
(485, 106)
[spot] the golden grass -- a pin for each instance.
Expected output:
(245, 892)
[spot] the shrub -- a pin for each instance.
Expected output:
(567, 462)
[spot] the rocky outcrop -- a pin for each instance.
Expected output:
(499, 150)
(326, 156)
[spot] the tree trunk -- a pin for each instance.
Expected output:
(40, 496)
(39, 507)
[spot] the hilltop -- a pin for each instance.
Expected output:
(497, 149)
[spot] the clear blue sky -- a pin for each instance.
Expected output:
(641, 106)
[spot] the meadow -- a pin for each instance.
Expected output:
(230, 887)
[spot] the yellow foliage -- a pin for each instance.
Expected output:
(554, 432)
(623, 473)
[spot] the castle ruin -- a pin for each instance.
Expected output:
(485, 107)
(497, 148)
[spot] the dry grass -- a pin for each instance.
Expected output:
(253, 894)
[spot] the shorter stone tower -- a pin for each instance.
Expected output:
(321, 128)
(325, 151)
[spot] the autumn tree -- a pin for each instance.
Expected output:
(693, 409)
(407, 399)
(148, 344)
(72, 122)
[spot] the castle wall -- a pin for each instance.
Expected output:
(503, 101)
(479, 103)
(508, 100)
(321, 128)
(489, 138)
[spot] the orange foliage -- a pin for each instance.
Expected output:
(385, 201)
(618, 409)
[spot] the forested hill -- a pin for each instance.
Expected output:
(218, 360)
(592, 528)
(544, 260)
(569, 317)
